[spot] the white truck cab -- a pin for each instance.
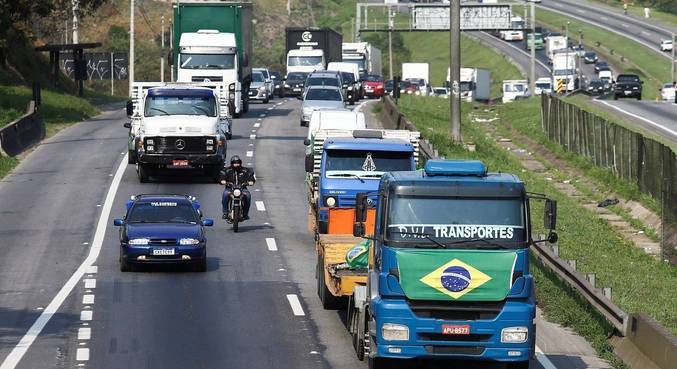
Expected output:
(515, 89)
(305, 60)
(328, 119)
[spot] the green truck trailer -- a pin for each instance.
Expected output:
(212, 42)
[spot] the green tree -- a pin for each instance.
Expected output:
(401, 54)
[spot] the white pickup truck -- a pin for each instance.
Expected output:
(178, 126)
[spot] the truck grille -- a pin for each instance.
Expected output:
(439, 337)
(455, 350)
(180, 145)
(456, 310)
(207, 79)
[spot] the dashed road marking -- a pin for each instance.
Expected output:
(86, 315)
(257, 125)
(82, 354)
(250, 153)
(295, 305)
(93, 269)
(262, 115)
(260, 206)
(625, 25)
(271, 108)
(90, 283)
(272, 245)
(88, 299)
(252, 137)
(84, 333)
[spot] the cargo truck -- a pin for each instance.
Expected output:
(475, 84)
(311, 49)
(565, 67)
(554, 44)
(212, 42)
(448, 272)
(418, 73)
(365, 55)
(341, 163)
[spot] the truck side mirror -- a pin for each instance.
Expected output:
(130, 108)
(306, 141)
(361, 207)
(170, 57)
(550, 214)
(127, 125)
(310, 163)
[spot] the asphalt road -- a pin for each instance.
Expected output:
(255, 307)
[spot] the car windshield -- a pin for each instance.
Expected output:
(544, 85)
(373, 78)
(257, 77)
(596, 83)
(367, 164)
(627, 79)
(276, 75)
(466, 86)
(514, 88)
(297, 76)
(262, 71)
(348, 77)
(180, 105)
(359, 62)
(563, 72)
(304, 61)
(323, 81)
(323, 94)
(448, 219)
(168, 211)
(207, 61)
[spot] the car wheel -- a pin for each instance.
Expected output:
(124, 264)
(639, 97)
(201, 267)
(266, 100)
(142, 172)
(229, 136)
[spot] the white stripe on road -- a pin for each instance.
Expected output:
(540, 356)
(90, 283)
(666, 129)
(296, 305)
(250, 153)
(271, 108)
(87, 299)
(625, 25)
(262, 115)
(260, 206)
(84, 333)
(17, 353)
(252, 137)
(257, 125)
(82, 354)
(86, 315)
(272, 245)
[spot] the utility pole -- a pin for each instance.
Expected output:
(112, 74)
(76, 5)
(578, 59)
(532, 82)
(566, 34)
(390, 42)
(131, 45)
(455, 68)
(171, 48)
(162, 52)
(672, 65)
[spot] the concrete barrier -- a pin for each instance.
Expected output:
(23, 133)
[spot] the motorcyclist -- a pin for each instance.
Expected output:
(236, 176)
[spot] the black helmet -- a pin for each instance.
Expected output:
(235, 159)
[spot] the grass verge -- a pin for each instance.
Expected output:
(640, 283)
(648, 64)
(637, 10)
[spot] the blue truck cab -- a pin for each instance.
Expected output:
(352, 165)
(449, 271)
(163, 229)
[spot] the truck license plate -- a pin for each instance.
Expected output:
(455, 329)
(163, 252)
(180, 163)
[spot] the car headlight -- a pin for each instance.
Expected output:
(330, 201)
(188, 241)
(635, 88)
(286, 85)
(237, 192)
(514, 335)
(150, 148)
(210, 141)
(262, 88)
(307, 110)
(139, 241)
(395, 332)
(350, 88)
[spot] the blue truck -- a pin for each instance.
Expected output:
(448, 274)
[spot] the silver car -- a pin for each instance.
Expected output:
(320, 98)
(258, 89)
(270, 85)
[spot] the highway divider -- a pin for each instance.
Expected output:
(23, 133)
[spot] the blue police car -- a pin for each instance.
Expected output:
(163, 229)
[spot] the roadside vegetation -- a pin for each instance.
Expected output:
(652, 68)
(639, 282)
(665, 11)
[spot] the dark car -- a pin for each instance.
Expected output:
(163, 229)
(388, 86)
(293, 84)
(628, 85)
(590, 57)
(350, 86)
(277, 82)
(601, 65)
(596, 87)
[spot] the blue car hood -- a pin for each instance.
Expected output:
(164, 230)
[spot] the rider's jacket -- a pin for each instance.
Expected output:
(238, 177)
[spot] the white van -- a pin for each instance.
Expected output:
(350, 68)
(334, 119)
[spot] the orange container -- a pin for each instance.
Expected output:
(341, 221)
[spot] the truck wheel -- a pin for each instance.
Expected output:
(382, 363)
(214, 172)
(245, 105)
(229, 136)
(329, 301)
(358, 338)
(266, 100)
(142, 172)
(517, 365)
(131, 157)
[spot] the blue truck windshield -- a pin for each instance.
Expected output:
(162, 212)
(180, 105)
(207, 61)
(455, 219)
(368, 164)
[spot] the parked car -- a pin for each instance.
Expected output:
(320, 97)
(268, 81)
(293, 84)
(596, 87)
(277, 82)
(373, 86)
(668, 92)
(258, 89)
(628, 85)
(666, 45)
(590, 57)
(601, 65)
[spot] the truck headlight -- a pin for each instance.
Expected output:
(231, 96)
(188, 241)
(139, 241)
(514, 335)
(210, 141)
(231, 87)
(395, 332)
(330, 201)
(150, 148)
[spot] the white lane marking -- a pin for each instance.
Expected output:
(253, 130)
(605, 18)
(278, 104)
(528, 54)
(87, 299)
(666, 129)
(257, 125)
(359, 107)
(82, 354)
(251, 144)
(250, 153)
(543, 359)
(646, 33)
(252, 137)
(93, 269)
(12, 360)
(272, 245)
(260, 206)
(86, 315)
(84, 333)
(625, 25)
(262, 115)
(580, 11)
(90, 283)
(296, 305)
(271, 108)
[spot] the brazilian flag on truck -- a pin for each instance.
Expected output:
(457, 275)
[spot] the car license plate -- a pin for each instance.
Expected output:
(297, 90)
(163, 252)
(628, 92)
(455, 329)
(180, 163)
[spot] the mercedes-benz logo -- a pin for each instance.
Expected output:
(180, 144)
(371, 203)
(306, 36)
(206, 80)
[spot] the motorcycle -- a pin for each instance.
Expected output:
(236, 200)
